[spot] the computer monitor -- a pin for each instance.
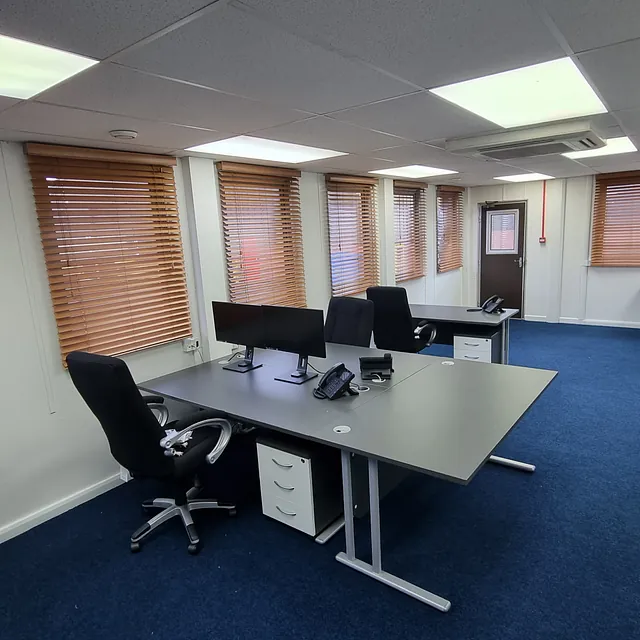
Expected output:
(240, 324)
(295, 330)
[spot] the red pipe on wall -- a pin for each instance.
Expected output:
(543, 237)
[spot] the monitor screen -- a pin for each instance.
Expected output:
(299, 331)
(241, 324)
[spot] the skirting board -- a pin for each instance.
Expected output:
(31, 520)
(536, 318)
(623, 324)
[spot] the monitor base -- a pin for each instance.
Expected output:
(296, 377)
(241, 366)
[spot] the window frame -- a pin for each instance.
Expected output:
(352, 275)
(449, 240)
(416, 244)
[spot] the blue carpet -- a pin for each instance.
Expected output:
(552, 555)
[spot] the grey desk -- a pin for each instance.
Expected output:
(452, 320)
(435, 415)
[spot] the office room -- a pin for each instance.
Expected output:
(357, 281)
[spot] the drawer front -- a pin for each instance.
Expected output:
(284, 474)
(298, 515)
(473, 356)
(468, 343)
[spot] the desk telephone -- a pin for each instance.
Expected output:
(335, 383)
(492, 304)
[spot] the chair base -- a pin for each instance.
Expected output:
(170, 510)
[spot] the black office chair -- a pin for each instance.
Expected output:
(134, 426)
(393, 326)
(349, 321)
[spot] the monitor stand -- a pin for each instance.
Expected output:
(300, 375)
(244, 364)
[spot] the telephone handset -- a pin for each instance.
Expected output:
(335, 383)
(493, 304)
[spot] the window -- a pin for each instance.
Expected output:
(449, 226)
(615, 240)
(262, 234)
(111, 238)
(502, 232)
(410, 228)
(353, 233)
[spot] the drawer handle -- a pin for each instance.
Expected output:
(286, 513)
(281, 487)
(472, 344)
(472, 357)
(284, 466)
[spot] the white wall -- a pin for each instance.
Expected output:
(53, 454)
(559, 284)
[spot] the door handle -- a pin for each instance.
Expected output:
(519, 261)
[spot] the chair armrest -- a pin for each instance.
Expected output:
(197, 421)
(158, 408)
(424, 326)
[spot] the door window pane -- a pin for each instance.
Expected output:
(502, 232)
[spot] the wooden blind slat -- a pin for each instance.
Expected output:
(353, 233)
(262, 228)
(615, 236)
(111, 238)
(449, 222)
(410, 230)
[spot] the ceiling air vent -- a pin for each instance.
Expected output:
(529, 142)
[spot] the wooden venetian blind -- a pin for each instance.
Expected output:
(615, 238)
(262, 234)
(411, 230)
(449, 227)
(353, 233)
(111, 238)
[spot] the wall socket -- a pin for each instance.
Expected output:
(190, 344)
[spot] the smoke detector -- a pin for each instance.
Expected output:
(123, 134)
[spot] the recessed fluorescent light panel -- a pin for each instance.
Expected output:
(413, 171)
(543, 92)
(612, 146)
(525, 177)
(263, 149)
(27, 69)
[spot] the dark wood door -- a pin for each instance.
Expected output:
(502, 233)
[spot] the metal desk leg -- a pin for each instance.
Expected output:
(514, 464)
(374, 570)
(506, 326)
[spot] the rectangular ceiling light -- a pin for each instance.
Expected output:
(612, 146)
(543, 92)
(263, 149)
(525, 177)
(413, 171)
(27, 69)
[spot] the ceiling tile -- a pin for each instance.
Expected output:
(22, 136)
(429, 43)
(430, 156)
(64, 121)
(114, 89)
(350, 163)
(618, 162)
(556, 166)
(419, 117)
(596, 23)
(630, 120)
(330, 134)
(5, 103)
(613, 71)
(92, 28)
(233, 51)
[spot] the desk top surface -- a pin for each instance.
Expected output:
(459, 314)
(444, 420)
